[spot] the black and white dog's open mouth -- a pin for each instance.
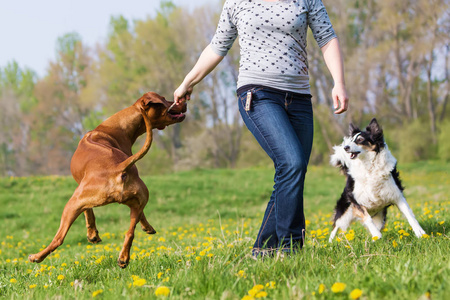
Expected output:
(353, 155)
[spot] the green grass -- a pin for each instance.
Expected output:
(207, 221)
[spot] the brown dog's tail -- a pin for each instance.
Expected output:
(130, 161)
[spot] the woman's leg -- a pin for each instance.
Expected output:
(270, 122)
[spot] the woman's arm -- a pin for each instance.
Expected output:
(207, 61)
(333, 59)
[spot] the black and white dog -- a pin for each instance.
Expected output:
(373, 182)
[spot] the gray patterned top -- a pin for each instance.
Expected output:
(272, 37)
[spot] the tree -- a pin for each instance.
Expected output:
(60, 110)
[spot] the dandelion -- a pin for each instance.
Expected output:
(321, 288)
(162, 291)
(247, 297)
(356, 294)
(241, 274)
(441, 223)
(139, 282)
(425, 236)
(96, 293)
(33, 286)
(271, 285)
(45, 286)
(338, 287)
(13, 280)
(374, 238)
(255, 290)
(61, 277)
(349, 236)
(395, 244)
(261, 294)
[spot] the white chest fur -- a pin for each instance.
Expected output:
(375, 187)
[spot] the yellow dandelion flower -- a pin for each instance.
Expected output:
(261, 294)
(61, 277)
(45, 286)
(247, 297)
(139, 282)
(241, 274)
(255, 290)
(322, 288)
(395, 244)
(425, 236)
(13, 280)
(210, 255)
(162, 291)
(258, 287)
(356, 294)
(271, 285)
(198, 258)
(349, 236)
(338, 287)
(96, 293)
(441, 223)
(33, 286)
(374, 238)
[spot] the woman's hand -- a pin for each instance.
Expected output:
(182, 93)
(340, 98)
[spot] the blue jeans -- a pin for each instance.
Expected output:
(282, 123)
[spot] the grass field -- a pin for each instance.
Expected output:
(206, 223)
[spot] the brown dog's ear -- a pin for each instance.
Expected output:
(150, 98)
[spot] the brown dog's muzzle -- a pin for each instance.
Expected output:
(176, 112)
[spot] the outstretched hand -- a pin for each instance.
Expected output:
(182, 94)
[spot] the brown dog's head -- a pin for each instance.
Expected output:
(157, 108)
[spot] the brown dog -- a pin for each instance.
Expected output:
(105, 170)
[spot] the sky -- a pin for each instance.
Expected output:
(29, 29)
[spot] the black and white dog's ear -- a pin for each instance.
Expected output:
(352, 130)
(375, 129)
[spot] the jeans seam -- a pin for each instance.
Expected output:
(265, 223)
(257, 128)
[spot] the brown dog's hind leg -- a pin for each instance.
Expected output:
(135, 216)
(71, 212)
(92, 232)
(146, 225)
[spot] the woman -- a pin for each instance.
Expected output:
(274, 97)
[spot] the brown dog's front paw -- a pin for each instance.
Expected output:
(33, 258)
(122, 264)
(93, 237)
(150, 230)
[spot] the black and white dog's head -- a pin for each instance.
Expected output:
(358, 144)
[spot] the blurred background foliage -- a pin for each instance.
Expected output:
(397, 69)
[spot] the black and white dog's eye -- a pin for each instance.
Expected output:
(360, 139)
